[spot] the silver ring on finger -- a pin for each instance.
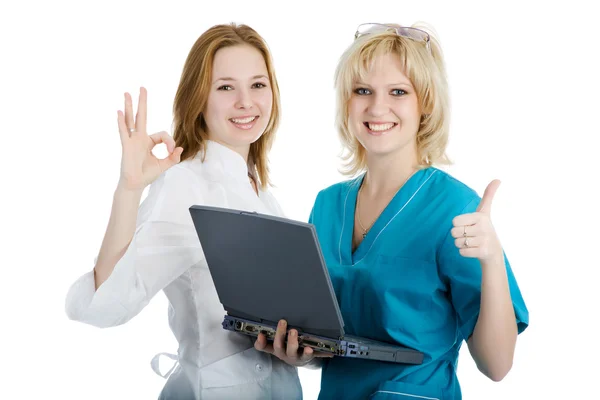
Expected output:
(464, 231)
(466, 242)
(131, 130)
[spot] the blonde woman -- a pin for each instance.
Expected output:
(411, 251)
(226, 113)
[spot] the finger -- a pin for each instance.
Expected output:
(140, 117)
(163, 137)
(485, 206)
(262, 344)
(129, 112)
(173, 159)
(465, 231)
(307, 354)
(316, 354)
(467, 243)
(292, 344)
(466, 219)
(278, 340)
(123, 132)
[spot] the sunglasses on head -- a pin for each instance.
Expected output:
(407, 32)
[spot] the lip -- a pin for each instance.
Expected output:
(244, 116)
(246, 126)
(379, 133)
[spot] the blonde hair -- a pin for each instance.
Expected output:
(425, 69)
(190, 130)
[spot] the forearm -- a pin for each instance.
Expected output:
(494, 337)
(119, 232)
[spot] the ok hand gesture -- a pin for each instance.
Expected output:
(139, 167)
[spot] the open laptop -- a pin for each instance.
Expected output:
(267, 268)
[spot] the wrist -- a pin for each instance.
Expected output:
(496, 261)
(494, 256)
(122, 192)
(493, 267)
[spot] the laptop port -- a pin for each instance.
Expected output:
(238, 325)
(317, 344)
(313, 343)
(351, 346)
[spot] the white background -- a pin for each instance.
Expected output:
(524, 85)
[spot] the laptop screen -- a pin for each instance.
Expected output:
(268, 268)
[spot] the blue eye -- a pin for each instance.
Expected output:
(362, 91)
(398, 92)
(225, 87)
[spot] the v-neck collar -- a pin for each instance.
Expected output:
(222, 161)
(400, 200)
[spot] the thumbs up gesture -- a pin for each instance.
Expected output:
(474, 234)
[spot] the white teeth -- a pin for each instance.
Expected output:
(243, 120)
(380, 127)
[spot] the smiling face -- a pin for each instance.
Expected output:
(383, 111)
(240, 99)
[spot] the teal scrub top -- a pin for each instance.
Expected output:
(406, 283)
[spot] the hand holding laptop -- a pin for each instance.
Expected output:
(293, 354)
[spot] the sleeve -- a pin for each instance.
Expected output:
(164, 246)
(463, 275)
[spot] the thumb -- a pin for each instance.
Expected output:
(173, 159)
(485, 206)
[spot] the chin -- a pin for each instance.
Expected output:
(245, 138)
(378, 147)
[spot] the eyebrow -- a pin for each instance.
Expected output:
(391, 84)
(227, 78)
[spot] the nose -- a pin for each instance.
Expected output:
(244, 100)
(378, 106)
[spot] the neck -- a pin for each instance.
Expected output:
(242, 150)
(386, 174)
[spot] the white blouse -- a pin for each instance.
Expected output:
(165, 254)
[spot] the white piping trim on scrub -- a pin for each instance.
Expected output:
(343, 225)
(405, 394)
(344, 220)
(386, 225)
